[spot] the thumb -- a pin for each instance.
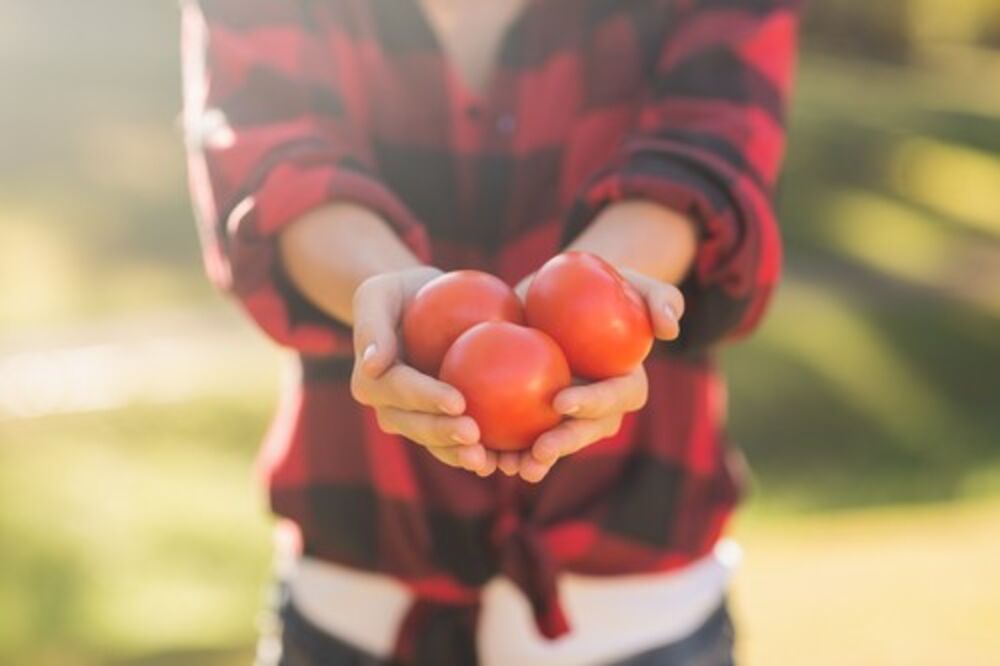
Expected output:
(522, 288)
(664, 301)
(377, 309)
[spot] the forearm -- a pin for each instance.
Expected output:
(330, 251)
(643, 236)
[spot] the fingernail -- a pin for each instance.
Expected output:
(459, 439)
(570, 410)
(669, 309)
(369, 353)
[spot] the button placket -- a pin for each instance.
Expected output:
(506, 123)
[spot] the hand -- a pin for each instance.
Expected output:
(595, 411)
(407, 402)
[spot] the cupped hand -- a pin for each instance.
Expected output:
(407, 402)
(595, 411)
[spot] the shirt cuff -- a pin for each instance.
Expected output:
(258, 278)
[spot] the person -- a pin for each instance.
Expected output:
(343, 153)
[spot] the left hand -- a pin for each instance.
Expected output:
(595, 411)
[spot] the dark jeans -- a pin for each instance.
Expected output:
(302, 644)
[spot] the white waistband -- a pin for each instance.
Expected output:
(612, 617)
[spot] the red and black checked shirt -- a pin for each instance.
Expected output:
(295, 103)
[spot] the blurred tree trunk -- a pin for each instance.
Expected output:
(895, 30)
(878, 29)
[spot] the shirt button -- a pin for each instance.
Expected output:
(506, 123)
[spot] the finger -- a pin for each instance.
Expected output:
(429, 429)
(508, 462)
(611, 396)
(573, 435)
(666, 307)
(448, 456)
(522, 287)
(450, 440)
(408, 389)
(474, 458)
(533, 470)
(490, 466)
(377, 309)
(664, 301)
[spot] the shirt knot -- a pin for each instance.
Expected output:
(527, 562)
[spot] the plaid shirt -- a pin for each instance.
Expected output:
(291, 104)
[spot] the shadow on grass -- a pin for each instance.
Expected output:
(973, 130)
(815, 446)
(812, 450)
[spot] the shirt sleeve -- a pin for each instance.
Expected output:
(708, 142)
(275, 127)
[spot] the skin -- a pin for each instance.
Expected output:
(470, 33)
(348, 261)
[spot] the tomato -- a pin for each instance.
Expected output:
(509, 376)
(593, 313)
(449, 305)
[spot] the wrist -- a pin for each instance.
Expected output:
(644, 236)
(416, 277)
(331, 251)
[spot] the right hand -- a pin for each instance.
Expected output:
(407, 402)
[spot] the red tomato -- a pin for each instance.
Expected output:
(449, 305)
(596, 316)
(509, 376)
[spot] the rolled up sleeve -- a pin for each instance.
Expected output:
(708, 143)
(274, 123)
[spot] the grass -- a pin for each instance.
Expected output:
(888, 587)
(138, 538)
(131, 533)
(175, 552)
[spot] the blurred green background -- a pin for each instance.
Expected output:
(132, 397)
